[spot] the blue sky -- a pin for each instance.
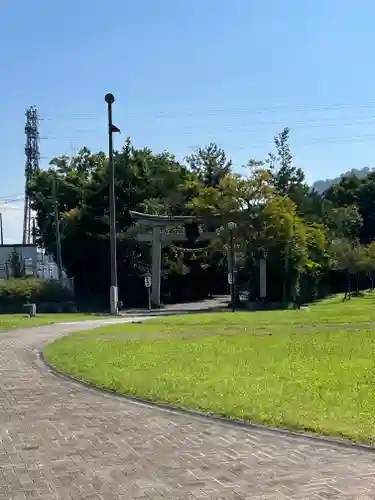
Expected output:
(185, 73)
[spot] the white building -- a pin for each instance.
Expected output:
(33, 261)
(27, 255)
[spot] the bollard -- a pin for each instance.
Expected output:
(30, 309)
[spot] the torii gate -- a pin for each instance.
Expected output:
(158, 240)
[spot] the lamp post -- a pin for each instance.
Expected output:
(232, 261)
(113, 294)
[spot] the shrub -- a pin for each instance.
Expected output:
(18, 291)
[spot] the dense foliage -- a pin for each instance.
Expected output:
(15, 292)
(315, 243)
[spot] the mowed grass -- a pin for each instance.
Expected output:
(11, 321)
(309, 370)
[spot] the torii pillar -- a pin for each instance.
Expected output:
(156, 266)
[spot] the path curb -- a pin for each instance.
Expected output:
(156, 313)
(234, 423)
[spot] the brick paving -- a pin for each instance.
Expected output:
(59, 440)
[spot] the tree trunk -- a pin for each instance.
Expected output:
(316, 288)
(347, 295)
(297, 291)
(349, 288)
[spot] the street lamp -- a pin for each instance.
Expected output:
(232, 263)
(113, 293)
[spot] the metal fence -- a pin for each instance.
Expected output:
(29, 269)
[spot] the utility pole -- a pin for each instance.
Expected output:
(113, 293)
(34, 232)
(232, 263)
(1, 230)
(57, 231)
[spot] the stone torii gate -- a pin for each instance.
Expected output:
(159, 239)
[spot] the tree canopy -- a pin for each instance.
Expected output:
(314, 243)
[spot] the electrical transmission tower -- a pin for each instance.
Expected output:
(31, 167)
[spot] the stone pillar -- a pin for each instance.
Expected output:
(156, 266)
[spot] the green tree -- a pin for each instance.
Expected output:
(144, 182)
(210, 163)
(357, 195)
(288, 179)
(350, 258)
(369, 262)
(276, 214)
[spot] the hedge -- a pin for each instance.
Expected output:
(16, 292)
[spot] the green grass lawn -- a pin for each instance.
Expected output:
(11, 321)
(310, 370)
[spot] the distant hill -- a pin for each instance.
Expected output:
(322, 186)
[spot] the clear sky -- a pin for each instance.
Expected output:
(185, 72)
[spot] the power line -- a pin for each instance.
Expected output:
(12, 197)
(308, 140)
(270, 126)
(306, 121)
(222, 110)
(186, 130)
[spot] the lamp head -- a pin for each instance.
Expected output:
(109, 98)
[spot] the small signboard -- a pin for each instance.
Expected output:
(230, 278)
(148, 281)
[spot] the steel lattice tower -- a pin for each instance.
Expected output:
(31, 167)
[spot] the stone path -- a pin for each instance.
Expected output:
(59, 440)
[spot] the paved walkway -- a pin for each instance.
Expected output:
(61, 441)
